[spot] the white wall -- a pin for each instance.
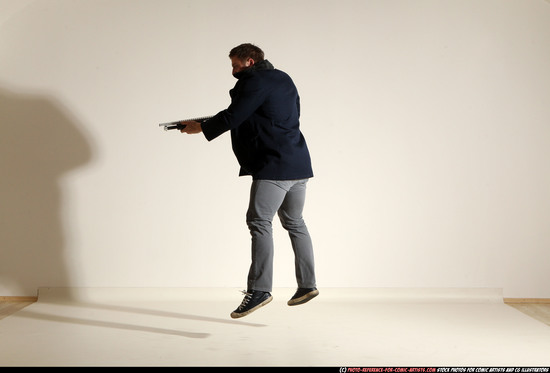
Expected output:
(428, 122)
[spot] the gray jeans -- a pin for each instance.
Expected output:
(286, 198)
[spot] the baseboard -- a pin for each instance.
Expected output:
(527, 300)
(17, 298)
(506, 300)
(372, 295)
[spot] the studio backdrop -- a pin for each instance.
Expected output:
(428, 123)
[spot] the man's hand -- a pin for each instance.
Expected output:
(191, 127)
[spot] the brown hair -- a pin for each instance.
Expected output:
(247, 50)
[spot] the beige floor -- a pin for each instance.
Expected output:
(342, 327)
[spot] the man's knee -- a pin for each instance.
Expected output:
(259, 225)
(291, 224)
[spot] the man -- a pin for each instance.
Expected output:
(263, 118)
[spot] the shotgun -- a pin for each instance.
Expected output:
(177, 125)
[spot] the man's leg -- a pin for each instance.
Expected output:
(290, 214)
(266, 197)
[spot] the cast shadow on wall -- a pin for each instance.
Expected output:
(39, 142)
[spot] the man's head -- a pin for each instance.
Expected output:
(245, 56)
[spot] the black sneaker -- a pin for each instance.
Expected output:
(302, 296)
(251, 302)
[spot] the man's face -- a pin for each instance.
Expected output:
(240, 65)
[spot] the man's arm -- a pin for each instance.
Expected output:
(247, 99)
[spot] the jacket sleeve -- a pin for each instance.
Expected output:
(247, 96)
(214, 127)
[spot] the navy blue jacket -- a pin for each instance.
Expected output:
(264, 120)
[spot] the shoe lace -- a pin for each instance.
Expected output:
(246, 299)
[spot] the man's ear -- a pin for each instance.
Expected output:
(249, 62)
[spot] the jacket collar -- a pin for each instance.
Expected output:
(262, 65)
